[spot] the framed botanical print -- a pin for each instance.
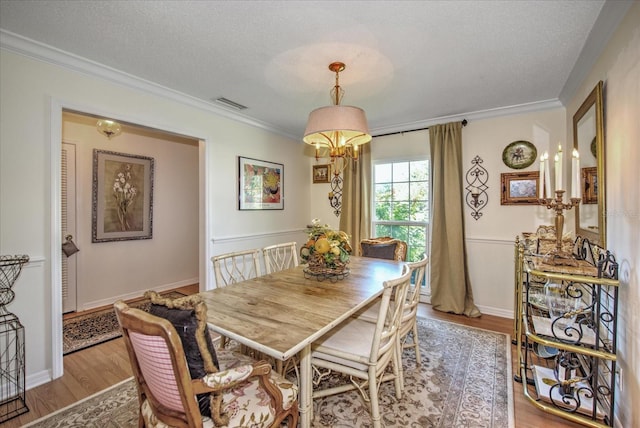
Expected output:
(260, 185)
(122, 202)
(519, 188)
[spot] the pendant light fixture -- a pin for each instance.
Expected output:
(336, 131)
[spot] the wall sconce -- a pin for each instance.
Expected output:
(477, 197)
(335, 195)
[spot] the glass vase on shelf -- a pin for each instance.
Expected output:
(564, 304)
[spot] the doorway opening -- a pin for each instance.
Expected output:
(78, 130)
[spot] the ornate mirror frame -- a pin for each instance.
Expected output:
(588, 140)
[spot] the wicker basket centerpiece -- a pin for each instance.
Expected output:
(326, 252)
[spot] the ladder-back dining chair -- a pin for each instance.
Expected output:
(169, 397)
(280, 257)
(409, 321)
(363, 350)
(234, 267)
(384, 247)
(276, 258)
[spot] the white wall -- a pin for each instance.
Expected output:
(31, 89)
(108, 271)
(619, 69)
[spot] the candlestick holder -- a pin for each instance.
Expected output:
(560, 256)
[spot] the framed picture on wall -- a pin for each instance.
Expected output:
(590, 185)
(122, 205)
(519, 188)
(321, 173)
(260, 184)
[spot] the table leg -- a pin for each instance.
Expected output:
(306, 388)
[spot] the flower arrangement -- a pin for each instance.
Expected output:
(327, 250)
(124, 193)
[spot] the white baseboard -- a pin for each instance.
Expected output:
(498, 312)
(136, 294)
(38, 379)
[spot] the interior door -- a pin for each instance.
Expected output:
(68, 225)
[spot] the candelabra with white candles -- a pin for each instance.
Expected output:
(559, 257)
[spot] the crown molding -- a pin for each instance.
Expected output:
(42, 52)
(471, 116)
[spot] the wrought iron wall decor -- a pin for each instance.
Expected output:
(335, 196)
(477, 197)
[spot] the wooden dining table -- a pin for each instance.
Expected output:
(283, 313)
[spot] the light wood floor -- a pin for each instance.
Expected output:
(92, 370)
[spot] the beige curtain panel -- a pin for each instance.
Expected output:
(450, 284)
(355, 218)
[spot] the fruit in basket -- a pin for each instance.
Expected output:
(322, 245)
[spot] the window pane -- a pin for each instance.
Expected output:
(401, 204)
(415, 254)
(418, 210)
(401, 171)
(400, 191)
(419, 190)
(400, 211)
(419, 170)
(400, 232)
(382, 192)
(418, 235)
(382, 173)
(383, 211)
(382, 230)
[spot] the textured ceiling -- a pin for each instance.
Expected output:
(408, 62)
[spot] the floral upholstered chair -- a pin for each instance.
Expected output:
(181, 386)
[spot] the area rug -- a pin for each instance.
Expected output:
(464, 381)
(86, 330)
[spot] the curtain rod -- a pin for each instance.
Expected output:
(464, 123)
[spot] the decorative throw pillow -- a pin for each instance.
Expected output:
(189, 317)
(379, 251)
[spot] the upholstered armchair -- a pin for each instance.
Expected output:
(384, 247)
(241, 392)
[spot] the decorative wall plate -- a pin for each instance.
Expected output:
(519, 154)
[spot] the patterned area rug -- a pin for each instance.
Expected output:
(84, 331)
(464, 381)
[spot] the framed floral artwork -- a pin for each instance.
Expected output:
(519, 188)
(321, 173)
(122, 205)
(260, 185)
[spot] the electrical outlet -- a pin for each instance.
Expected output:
(619, 378)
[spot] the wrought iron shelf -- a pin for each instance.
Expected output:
(567, 360)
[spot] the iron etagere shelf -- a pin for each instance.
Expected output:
(567, 361)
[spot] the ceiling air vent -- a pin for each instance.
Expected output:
(228, 103)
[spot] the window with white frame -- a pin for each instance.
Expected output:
(401, 204)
